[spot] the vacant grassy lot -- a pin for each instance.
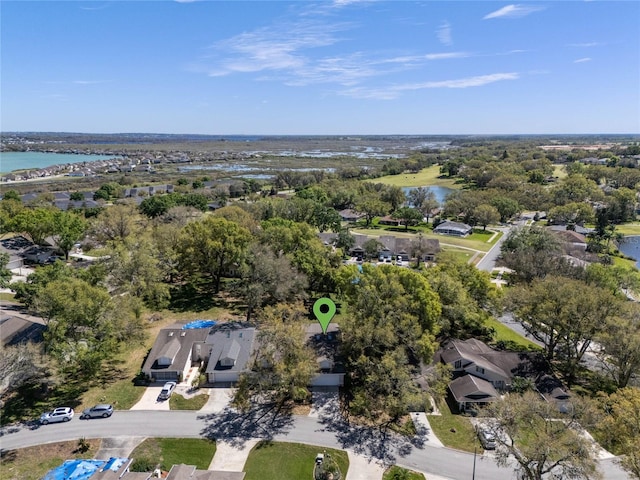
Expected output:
(425, 177)
(281, 460)
(34, 462)
(178, 402)
(171, 451)
(396, 472)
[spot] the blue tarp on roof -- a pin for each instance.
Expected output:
(74, 470)
(114, 463)
(199, 324)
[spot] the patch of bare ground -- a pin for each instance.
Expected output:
(33, 463)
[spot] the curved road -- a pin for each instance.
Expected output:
(236, 429)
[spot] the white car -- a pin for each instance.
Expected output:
(62, 414)
(167, 390)
(487, 439)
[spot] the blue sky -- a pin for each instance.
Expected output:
(332, 67)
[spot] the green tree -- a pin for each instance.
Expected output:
(390, 328)
(566, 315)
(543, 442)
(284, 364)
(506, 206)
(267, 278)
(134, 268)
(68, 229)
(572, 213)
(372, 247)
(372, 207)
(532, 252)
(208, 248)
(305, 250)
(345, 240)
(394, 196)
(116, 223)
(27, 292)
(5, 273)
(486, 214)
(407, 216)
(36, 223)
(620, 429)
(620, 345)
(424, 199)
(79, 331)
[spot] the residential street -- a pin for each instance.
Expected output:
(237, 430)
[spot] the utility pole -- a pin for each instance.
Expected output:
(473, 477)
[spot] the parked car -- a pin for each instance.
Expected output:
(98, 411)
(487, 438)
(167, 390)
(61, 414)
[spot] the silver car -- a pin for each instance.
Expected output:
(98, 411)
(167, 390)
(62, 414)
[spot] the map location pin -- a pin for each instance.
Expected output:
(324, 309)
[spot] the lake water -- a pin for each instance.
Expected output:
(440, 192)
(10, 161)
(631, 248)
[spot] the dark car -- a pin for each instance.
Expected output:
(98, 411)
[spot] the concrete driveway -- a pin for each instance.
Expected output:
(325, 402)
(361, 468)
(219, 399)
(149, 400)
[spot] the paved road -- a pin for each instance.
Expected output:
(236, 429)
(488, 261)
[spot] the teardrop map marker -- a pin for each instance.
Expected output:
(324, 309)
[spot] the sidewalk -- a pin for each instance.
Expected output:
(229, 458)
(423, 429)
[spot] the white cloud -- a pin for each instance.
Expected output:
(444, 34)
(513, 11)
(582, 60)
(89, 82)
(445, 56)
(584, 45)
(394, 91)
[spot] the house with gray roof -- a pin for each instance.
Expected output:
(174, 352)
(231, 347)
(331, 369)
(453, 228)
(480, 372)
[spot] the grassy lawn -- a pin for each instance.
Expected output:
(426, 176)
(33, 463)
(399, 473)
(280, 460)
(628, 229)
(559, 171)
(171, 451)
(455, 431)
(505, 334)
(7, 297)
(178, 402)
